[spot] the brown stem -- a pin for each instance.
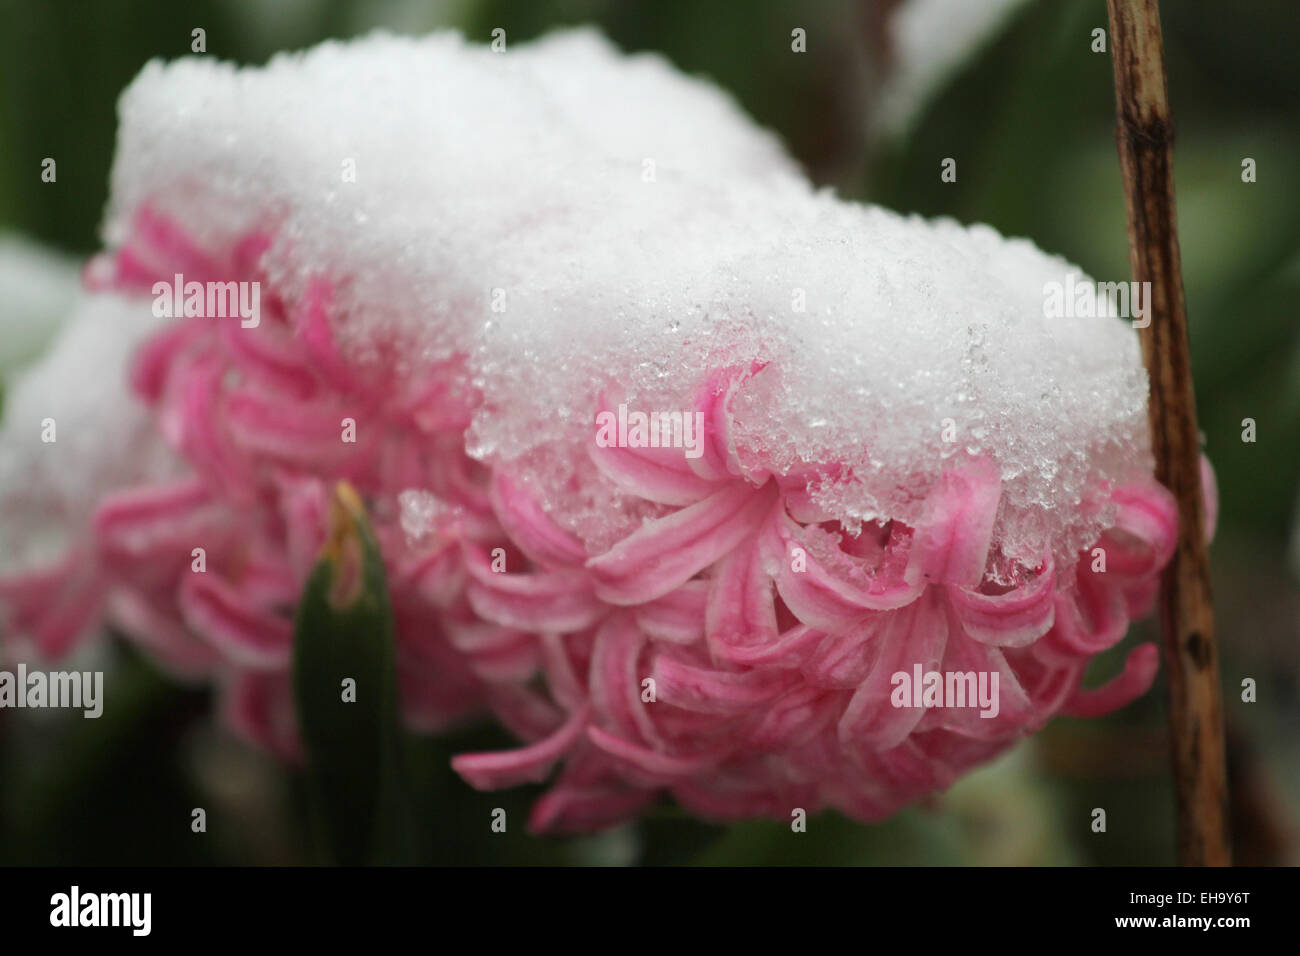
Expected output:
(1145, 136)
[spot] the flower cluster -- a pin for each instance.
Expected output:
(736, 638)
(736, 650)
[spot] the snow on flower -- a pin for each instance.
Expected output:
(465, 261)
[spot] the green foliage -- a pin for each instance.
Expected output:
(345, 691)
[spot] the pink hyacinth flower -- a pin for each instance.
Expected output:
(771, 637)
(723, 624)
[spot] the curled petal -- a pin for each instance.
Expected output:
(160, 247)
(545, 601)
(496, 654)
(159, 525)
(267, 354)
(614, 681)
(915, 635)
(532, 764)
(1014, 619)
(678, 617)
(1047, 685)
(707, 691)
(795, 717)
(719, 460)
(531, 528)
(1090, 618)
(799, 501)
(525, 711)
(1135, 680)
(987, 701)
(655, 474)
(845, 659)
(194, 418)
(666, 552)
(315, 331)
(952, 543)
(54, 607)
(1144, 534)
(740, 611)
(224, 616)
(301, 433)
(650, 763)
(562, 679)
(160, 631)
(438, 575)
(815, 593)
(155, 359)
(304, 507)
(789, 649)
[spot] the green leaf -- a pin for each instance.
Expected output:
(345, 685)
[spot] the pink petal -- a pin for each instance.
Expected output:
(531, 529)
(914, 635)
(666, 552)
(846, 658)
(532, 764)
(546, 601)
(678, 617)
(816, 595)
(740, 610)
(1014, 619)
(1135, 680)
(705, 690)
(222, 614)
(655, 474)
(658, 766)
(615, 680)
(952, 543)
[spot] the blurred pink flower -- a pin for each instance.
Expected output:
(255, 414)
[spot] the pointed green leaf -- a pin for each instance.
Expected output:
(345, 685)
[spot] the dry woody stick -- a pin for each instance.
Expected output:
(1145, 136)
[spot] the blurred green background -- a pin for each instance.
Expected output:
(1012, 91)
